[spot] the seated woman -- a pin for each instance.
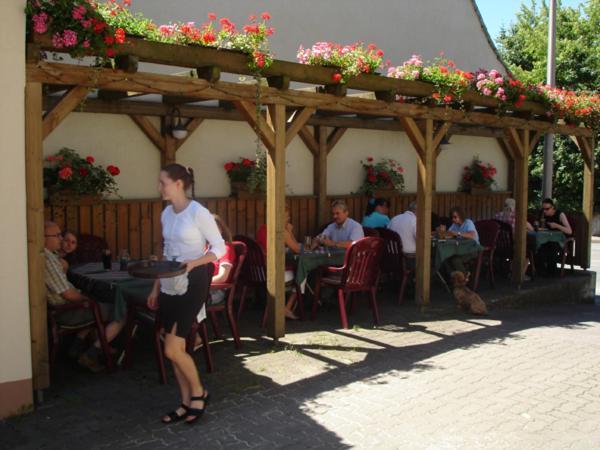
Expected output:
(223, 265)
(548, 255)
(460, 228)
(507, 214)
(67, 250)
(290, 242)
(376, 215)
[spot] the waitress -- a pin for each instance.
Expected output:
(191, 237)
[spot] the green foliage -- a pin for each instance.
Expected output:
(523, 47)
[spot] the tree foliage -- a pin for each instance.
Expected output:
(523, 46)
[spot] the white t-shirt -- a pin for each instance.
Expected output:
(185, 236)
(406, 226)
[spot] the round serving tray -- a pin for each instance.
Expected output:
(156, 269)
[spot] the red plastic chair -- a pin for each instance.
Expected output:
(89, 248)
(227, 306)
(394, 261)
(360, 273)
(488, 231)
(370, 232)
(253, 274)
(58, 330)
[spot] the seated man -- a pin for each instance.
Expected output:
(343, 231)
(61, 291)
(405, 225)
(460, 228)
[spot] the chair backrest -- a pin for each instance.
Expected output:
(488, 231)
(392, 261)
(504, 245)
(89, 248)
(254, 269)
(240, 256)
(361, 263)
(574, 222)
(370, 232)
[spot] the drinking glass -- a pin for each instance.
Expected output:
(123, 259)
(307, 242)
(106, 259)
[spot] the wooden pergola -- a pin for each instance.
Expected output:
(289, 112)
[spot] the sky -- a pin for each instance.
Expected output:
(497, 14)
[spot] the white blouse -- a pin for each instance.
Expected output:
(185, 236)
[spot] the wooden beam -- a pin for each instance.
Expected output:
(519, 143)
(298, 122)
(34, 157)
(439, 135)
(276, 226)
(414, 134)
(425, 174)
(310, 141)
(534, 141)
(66, 74)
(235, 62)
(257, 122)
(334, 138)
(150, 131)
(587, 151)
(63, 108)
(320, 176)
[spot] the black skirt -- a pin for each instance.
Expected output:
(183, 309)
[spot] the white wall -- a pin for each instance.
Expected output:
(15, 350)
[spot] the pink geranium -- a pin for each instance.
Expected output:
(69, 38)
(39, 23)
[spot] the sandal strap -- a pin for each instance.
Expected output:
(197, 399)
(195, 412)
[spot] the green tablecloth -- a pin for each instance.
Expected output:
(538, 238)
(450, 247)
(306, 262)
(113, 286)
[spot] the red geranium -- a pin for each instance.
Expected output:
(113, 170)
(65, 173)
(90, 159)
(83, 172)
(120, 36)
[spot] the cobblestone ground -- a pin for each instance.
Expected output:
(524, 378)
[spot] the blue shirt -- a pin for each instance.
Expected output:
(467, 225)
(376, 220)
(350, 230)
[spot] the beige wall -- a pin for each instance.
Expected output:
(114, 139)
(111, 139)
(15, 351)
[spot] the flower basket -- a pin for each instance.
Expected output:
(480, 190)
(66, 197)
(384, 193)
(382, 179)
(478, 177)
(241, 191)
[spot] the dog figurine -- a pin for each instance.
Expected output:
(466, 298)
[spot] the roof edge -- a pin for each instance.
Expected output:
(489, 38)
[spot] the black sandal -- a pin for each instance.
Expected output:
(174, 417)
(196, 413)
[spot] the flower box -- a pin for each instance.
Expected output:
(240, 190)
(67, 197)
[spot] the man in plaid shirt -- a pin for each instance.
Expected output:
(61, 291)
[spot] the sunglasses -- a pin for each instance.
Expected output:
(547, 209)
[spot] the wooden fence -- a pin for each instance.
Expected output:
(135, 224)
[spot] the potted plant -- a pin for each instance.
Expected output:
(247, 176)
(382, 179)
(477, 177)
(69, 179)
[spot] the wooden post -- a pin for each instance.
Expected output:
(519, 146)
(320, 176)
(425, 180)
(34, 156)
(167, 154)
(587, 152)
(275, 225)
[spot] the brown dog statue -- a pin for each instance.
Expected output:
(466, 298)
